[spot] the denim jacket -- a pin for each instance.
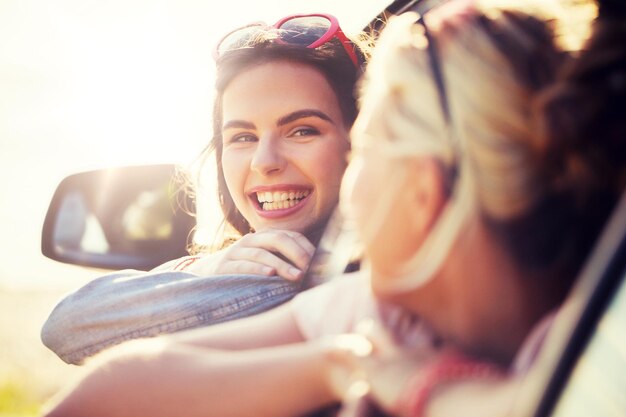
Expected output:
(134, 304)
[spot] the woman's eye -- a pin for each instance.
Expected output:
(243, 138)
(305, 131)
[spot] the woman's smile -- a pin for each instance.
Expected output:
(279, 201)
(284, 147)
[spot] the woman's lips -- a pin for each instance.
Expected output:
(274, 203)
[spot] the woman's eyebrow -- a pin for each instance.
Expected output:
(241, 124)
(301, 114)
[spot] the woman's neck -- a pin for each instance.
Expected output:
(505, 300)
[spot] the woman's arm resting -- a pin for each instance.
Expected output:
(157, 378)
(132, 304)
(272, 328)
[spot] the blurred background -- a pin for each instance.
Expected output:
(88, 84)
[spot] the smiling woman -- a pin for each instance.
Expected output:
(281, 118)
(283, 162)
(91, 84)
(118, 83)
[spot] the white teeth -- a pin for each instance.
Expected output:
(280, 199)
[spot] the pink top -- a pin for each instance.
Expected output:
(340, 305)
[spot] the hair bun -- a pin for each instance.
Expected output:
(581, 120)
(612, 9)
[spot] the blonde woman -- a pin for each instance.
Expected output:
(476, 209)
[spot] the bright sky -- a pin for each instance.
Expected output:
(87, 84)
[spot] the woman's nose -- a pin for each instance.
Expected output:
(268, 158)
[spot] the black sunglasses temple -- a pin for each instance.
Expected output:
(437, 72)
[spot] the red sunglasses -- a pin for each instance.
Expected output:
(306, 30)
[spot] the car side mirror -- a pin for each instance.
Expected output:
(130, 217)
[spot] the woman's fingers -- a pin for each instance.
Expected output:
(292, 246)
(261, 261)
(245, 267)
(268, 252)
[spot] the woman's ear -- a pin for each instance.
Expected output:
(426, 193)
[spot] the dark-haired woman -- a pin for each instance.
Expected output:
(285, 102)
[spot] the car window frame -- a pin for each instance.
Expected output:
(587, 303)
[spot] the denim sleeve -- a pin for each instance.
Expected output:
(132, 304)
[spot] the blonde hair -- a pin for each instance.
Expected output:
(494, 64)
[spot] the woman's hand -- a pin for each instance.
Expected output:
(371, 367)
(268, 252)
(371, 362)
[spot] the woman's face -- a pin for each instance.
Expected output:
(388, 199)
(373, 194)
(284, 146)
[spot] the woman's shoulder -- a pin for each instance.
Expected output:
(333, 307)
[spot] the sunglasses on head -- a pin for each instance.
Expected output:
(306, 30)
(438, 79)
(436, 70)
